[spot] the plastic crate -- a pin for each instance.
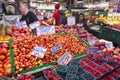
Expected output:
(72, 69)
(81, 78)
(81, 71)
(61, 70)
(74, 63)
(88, 76)
(71, 77)
(41, 78)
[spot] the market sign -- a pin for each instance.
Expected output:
(65, 59)
(91, 41)
(93, 50)
(71, 20)
(39, 51)
(10, 20)
(56, 48)
(108, 45)
(21, 24)
(45, 30)
(34, 25)
(40, 17)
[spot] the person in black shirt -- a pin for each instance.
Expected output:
(27, 15)
(82, 22)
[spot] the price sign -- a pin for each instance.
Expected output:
(56, 48)
(65, 59)
(40, 17)
(21, 24)
(45, 30)
(34, 25)
(39, 51)
(108, 45)
(71, 20)
(91, 41)
(93, 50)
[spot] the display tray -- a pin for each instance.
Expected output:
(45, 66)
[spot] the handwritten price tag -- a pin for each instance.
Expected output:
(91, 41)
(40, 17)
(56, 48)
(71, 20)
(21, 24)
(45, 30)
(108, 45)
(93, 50)
(34, 25)
(39, 51)
(65, 59)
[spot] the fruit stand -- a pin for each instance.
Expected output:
(59, 53)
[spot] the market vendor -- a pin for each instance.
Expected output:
(56, 14)
(27, 15)
(82, 22)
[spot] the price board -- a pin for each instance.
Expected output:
(34, 25)
(108, 45)
(56, 48)
(21, 24)
(45, 30)
(71, 20)
(39, 51)
(40, 17)
(65, 59)
(93, 50)
(91, 41)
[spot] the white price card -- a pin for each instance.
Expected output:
(65, 59)
(93, 50)
(34, 25)
(40, 17)
(108, 45)
(39, 51)
(91, 41)
(56, 48)
(21, 24)
(71, 20)
(45, 30)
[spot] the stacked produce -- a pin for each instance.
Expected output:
(4, 38)
(114, 26)
(109, 20)
(102, 47)
(50, 74)
(24, 47)
(79, 31)
(20, 32)
(5, 61)
(5, 30)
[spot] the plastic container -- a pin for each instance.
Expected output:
(81, 78)
(71, 77)
(81, 71)
(61, 70)
(72, 69)
(41, 78)
(88, 76)
(74, 63)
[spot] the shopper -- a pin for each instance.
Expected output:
(27, 15)
(56, 14)
(82, 22)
